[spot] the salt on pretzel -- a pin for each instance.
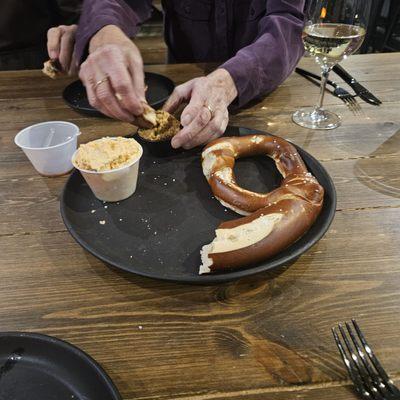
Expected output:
(274, 220)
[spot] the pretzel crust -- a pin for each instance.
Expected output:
(274, 220)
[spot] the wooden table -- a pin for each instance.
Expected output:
(264, 337)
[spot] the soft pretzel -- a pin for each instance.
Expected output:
(273, 220)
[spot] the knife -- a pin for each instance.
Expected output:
(308, 74)
(362, 92)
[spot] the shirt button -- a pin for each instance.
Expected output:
(187, 9)
(252, 12)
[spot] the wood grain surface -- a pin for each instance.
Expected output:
(263, 337)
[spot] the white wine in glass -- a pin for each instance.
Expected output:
(330, 43)
(334, 30)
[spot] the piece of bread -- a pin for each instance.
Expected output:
(148, 119)
(52, 68)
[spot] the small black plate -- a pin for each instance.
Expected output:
(40, 367)
(159, 88)
(159, 231)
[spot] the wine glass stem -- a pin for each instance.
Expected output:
(324, 79)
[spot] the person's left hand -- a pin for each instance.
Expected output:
(206, 116)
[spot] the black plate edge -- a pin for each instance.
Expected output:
(69, 347)
(223, 277)
(95, 113)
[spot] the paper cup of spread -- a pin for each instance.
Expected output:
(49, 146)
(110, 167)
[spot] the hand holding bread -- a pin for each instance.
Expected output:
(113, 75)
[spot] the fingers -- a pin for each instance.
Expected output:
(89, 85)
(120, 80)
(135, 66)
(198, 97)
(66, 49)
(195, 116)
(199, 123)
(53, 42)
(188, 133)
(101, 96)
(60, 46)
(180, 94)
(109, 104)
(73, 68)
(122, 94)
(214, 129)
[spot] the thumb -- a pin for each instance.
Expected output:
(195, 106)
(180, 94)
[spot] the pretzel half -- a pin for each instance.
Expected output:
(274, 220)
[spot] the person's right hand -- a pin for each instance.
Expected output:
(113, 75)
(60, 46)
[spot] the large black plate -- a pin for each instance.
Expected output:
(159, 231)
(39, 367)
(159, 88)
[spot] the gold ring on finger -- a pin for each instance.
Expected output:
(211, 110)
(105, 79)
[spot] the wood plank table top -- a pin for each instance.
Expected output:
(263, 337)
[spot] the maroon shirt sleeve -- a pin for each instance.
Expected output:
(260, 67)
(98, 13)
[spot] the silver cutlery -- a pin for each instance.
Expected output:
(359, 89)
(370, 379)
(341, 93)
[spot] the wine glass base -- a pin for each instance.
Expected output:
(313, 118)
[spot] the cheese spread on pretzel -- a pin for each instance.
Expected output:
(274, 220)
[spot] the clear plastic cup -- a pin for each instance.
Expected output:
(49, 146)
(115, 184)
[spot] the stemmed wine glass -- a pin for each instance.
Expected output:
(334, 29)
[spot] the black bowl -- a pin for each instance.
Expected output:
(159, 89)
(159, 148)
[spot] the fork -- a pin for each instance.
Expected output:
(341, 93)
(370, 379)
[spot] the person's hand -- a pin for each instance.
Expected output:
(206, 116)
(113, 75)
(60, 46)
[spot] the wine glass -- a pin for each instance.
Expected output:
(334, 29)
